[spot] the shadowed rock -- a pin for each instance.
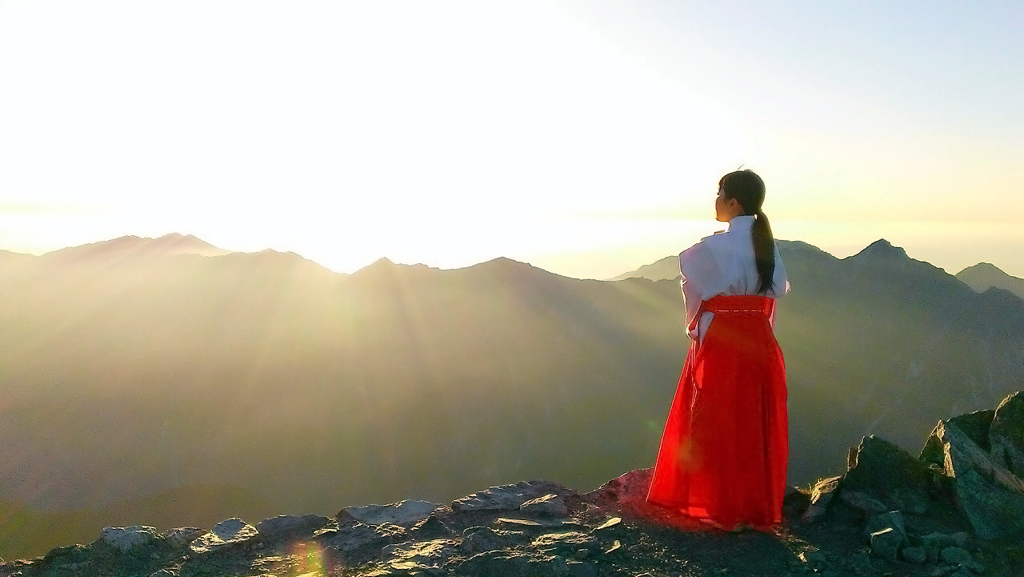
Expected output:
(990, 497)
(891, 475)
(975, 425)
(291, 526)
(1006, 435)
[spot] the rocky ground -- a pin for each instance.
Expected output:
(958, 510)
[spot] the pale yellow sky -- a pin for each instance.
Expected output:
(584, 137)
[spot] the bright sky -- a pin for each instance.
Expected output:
(584, 136)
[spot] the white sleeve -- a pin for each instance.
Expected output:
(699, 269)
(780, 279)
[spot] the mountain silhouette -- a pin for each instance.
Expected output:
(123, 377)
(984, 276)
(130, 248)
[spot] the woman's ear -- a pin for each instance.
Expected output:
(734, 207)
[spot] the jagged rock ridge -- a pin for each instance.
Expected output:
(958, 509)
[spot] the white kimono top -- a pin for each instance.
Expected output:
(723, 264)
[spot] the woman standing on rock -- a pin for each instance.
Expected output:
(724, 451)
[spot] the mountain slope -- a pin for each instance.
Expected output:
(663, 269)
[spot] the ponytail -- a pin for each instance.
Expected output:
(764, 252)
(748, 189)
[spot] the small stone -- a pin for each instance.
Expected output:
(886, 543)
(975, 567)
(892, 520)
(915, 555)
(943, 570)
(815, 559)
(955, 556)
(609, 523)
(939, 540)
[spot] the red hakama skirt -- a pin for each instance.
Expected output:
(724, 451)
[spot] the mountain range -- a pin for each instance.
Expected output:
(155, 369)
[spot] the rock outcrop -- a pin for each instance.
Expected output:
(958, 509)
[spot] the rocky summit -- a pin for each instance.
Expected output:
(956, 510)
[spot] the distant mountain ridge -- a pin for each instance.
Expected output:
(130, 247)
(270, 373)
(984, 276)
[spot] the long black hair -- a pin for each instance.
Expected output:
(748, 189)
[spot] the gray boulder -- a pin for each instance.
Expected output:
(549, 505)
(955, 556)
(404, 513)
(507, 497)
(125, 538)
(975, 425)
(886, 472)
(915, 555)
(229, 532)
(943, 540)
(989, 496)
(993, 511)
(961, 454)
(1006, 435)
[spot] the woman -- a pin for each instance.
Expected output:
(724, 451)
